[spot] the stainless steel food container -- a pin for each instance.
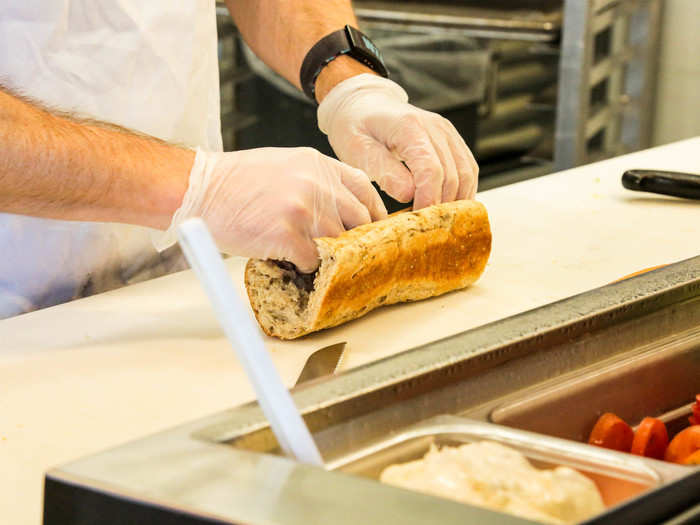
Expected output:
(570, 360)
(619, 477)
(658, 380)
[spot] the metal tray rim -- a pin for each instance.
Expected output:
(538, 446)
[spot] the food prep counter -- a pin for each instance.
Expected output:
(529, 370)
(96, 373)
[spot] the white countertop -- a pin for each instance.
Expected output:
(88, 375)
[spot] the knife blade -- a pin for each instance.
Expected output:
(684, 185)
(321, 363)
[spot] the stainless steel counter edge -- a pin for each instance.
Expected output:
(208, 481)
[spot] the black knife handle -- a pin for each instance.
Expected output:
(685, 185)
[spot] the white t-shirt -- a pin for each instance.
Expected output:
(148, 65)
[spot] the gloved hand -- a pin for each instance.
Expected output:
(371, 126)
(270, 203)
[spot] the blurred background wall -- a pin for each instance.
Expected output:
(678, 83)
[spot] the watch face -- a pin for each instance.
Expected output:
(369, 45)
(360, 43)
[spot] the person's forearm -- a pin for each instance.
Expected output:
(57, 167)
(281, 32)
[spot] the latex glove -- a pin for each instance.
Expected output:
(371, 126)
(270, 203)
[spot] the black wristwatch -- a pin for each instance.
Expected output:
(347, 41)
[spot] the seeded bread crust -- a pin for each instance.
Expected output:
(407, 257)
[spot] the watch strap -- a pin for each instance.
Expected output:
(329, 48)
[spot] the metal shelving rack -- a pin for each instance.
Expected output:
(606, 79)
(603, 55)
(232, 71)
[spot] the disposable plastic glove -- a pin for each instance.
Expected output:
(371, 126)
(270, 203)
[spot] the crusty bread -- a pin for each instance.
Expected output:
(407, 257)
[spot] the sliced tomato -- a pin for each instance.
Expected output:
(611, 432)
(650, 439)
(693, 459)
(685, 443)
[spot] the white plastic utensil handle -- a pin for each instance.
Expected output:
(244, 335)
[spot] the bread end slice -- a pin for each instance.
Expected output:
(282, 298)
